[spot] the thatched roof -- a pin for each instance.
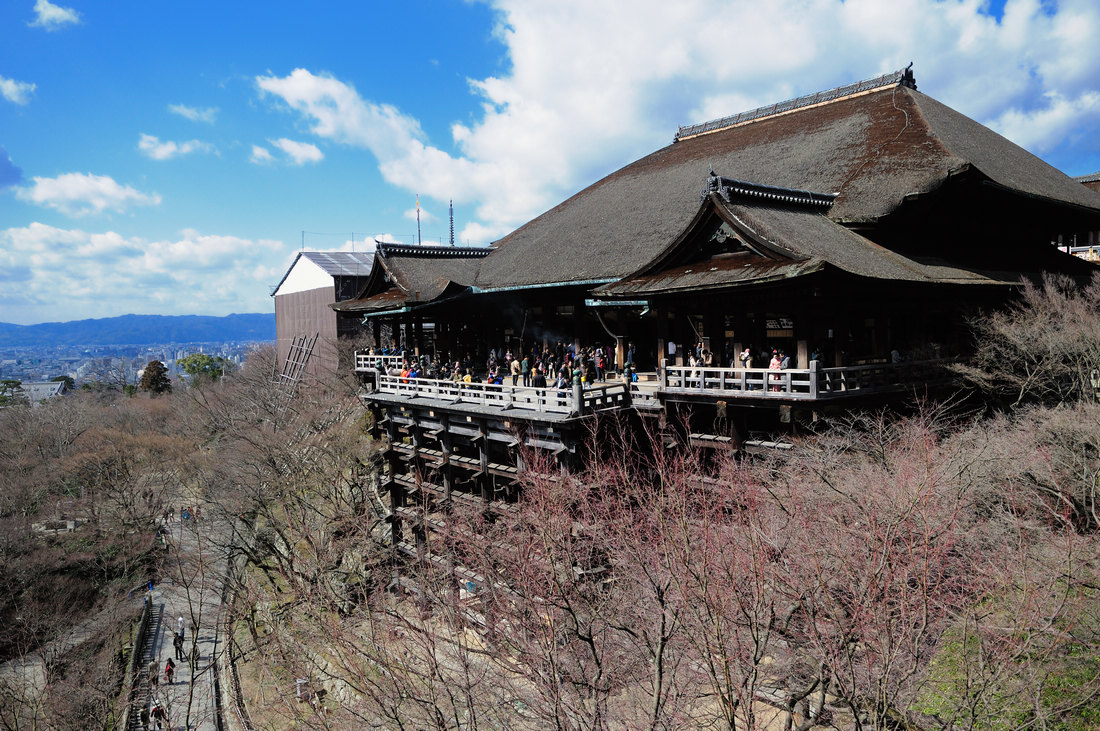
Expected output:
(873, 150)
(867, 148)
(786, 240)
(407, 275)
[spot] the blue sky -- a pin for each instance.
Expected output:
(166, 157)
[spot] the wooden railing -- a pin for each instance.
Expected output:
(547, 400)
(805, 384)
(801, 383)
(644, 397)
(365, 361)
(604, 396)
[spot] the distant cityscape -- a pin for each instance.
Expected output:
(117, 365)
(115, 350)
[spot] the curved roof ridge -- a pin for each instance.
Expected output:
(901, 77)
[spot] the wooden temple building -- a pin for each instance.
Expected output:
(306, 329)
(858, 229)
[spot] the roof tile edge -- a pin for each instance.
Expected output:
(728, 188)
(432, 250)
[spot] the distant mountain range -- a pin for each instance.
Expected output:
(142, 330)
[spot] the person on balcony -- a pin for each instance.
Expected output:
(774, 365)
(746, 357)
(693, 363)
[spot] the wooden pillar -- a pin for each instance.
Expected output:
(417, 438)
(580, 328)
(521, 464)
(443, 344)
(715, 334)
(446, 442)
(662, 336)
(673, 327)
(484, 478)
(397, 490)
(841, 342)
(420, 533)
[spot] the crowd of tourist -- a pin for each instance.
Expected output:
(562, 365)
(556, 367)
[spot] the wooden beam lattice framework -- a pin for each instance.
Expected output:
(297, 358)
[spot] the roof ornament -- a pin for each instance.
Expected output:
(715, 186)
(907, 77)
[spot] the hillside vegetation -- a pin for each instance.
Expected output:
(938, 569)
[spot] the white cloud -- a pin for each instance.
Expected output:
(554, 121)
(51, 17)
(340, 114)
(156, 149)
(425, 216)
(105, 274)
(1043, 128)
(195, 114)
(80, 194)
(299, 152)
(261, 156)
(17, 92)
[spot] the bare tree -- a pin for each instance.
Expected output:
(1045, 349)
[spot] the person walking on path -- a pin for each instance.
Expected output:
(179, 627)
(169, 671)
(177, 642)
(154, 672)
